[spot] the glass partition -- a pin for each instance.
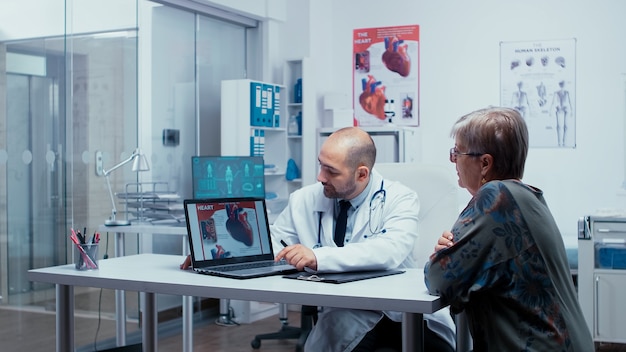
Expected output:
(79, 92)
(69, 92)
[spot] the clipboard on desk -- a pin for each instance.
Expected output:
(340, 278)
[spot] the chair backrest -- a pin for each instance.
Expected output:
(437, 189)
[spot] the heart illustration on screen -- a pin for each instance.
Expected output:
(238, 226)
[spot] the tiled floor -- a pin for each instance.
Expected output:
(34, 331)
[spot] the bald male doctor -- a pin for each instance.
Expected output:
(381, 230)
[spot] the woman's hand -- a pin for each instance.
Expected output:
(444, 241)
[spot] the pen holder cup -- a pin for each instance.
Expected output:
(86, 256)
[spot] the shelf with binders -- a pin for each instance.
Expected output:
(245, 111)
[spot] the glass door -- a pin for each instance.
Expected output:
(34, 182)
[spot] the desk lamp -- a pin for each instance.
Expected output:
(139, 164)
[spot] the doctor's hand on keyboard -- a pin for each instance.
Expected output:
(298, 256)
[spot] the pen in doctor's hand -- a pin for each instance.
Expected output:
(278, 259)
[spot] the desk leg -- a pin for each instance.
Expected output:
(120, 299)
(187, 323)
(187, 311)
(65, 318)
(412, 332)
(150, 324)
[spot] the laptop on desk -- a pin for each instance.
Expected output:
(230, 237)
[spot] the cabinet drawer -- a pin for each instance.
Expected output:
(608, 229)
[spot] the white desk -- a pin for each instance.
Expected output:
(158, 273)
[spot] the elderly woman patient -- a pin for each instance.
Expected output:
(504, 261)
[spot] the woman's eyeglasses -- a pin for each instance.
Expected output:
(454, 153)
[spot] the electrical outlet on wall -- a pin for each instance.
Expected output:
(171, 137)
(99, 170)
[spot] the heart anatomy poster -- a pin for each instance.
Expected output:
(538, 79)
(386, 76)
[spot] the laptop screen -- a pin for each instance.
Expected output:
(228, 176)
(228, 230)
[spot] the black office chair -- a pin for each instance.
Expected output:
(308, 318)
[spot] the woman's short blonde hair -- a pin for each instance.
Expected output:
(500, 132)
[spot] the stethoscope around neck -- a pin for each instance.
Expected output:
(377, 206)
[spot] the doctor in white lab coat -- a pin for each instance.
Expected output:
(377, 237)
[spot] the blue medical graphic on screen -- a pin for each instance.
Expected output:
(228, 176)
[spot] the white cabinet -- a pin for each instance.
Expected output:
(240, 98)
(602, 276)
(254, 122)
(610, 320)
(277, 144)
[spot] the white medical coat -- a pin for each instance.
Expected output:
(342, 329)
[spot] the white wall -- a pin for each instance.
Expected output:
(460, 72)
(459, 67)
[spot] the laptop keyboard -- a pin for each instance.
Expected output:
(244, 266)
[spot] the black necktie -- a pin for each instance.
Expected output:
(342, 220)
